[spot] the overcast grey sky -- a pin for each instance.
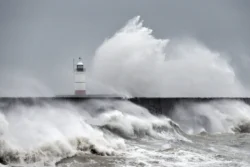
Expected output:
(40, 37)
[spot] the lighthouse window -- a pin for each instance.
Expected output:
(79, 68)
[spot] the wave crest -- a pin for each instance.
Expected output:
(131, 126)
(218, 116)
(50, 132)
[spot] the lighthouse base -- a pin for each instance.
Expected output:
(80, 92)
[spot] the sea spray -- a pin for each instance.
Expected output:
(217, 116)
(136, 63)
(48, 131)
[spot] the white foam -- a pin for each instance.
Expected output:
(44, 134)
(134, 62)
(51, 131)
(226, 116)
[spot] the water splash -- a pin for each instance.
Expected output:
(46, 132)
(222, 116)
(135, 62)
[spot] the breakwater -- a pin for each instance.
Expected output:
(155, 105)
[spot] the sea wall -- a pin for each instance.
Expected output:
(165, 106)
(157, 106)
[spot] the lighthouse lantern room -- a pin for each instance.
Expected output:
(79, 78)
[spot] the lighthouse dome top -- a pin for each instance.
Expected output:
(80, 61)
(79, 66)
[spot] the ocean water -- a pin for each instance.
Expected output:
(120, 133)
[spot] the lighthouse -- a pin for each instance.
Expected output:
(79, 78)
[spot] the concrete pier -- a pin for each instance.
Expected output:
(154, 105)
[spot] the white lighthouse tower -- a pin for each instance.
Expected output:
(79, 78)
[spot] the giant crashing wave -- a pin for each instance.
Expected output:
(49, 132)
(134, 63)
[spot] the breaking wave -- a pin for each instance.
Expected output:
(218, 116)
(45, 132)
(49, 132)
(134, 63)
(131, 127)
